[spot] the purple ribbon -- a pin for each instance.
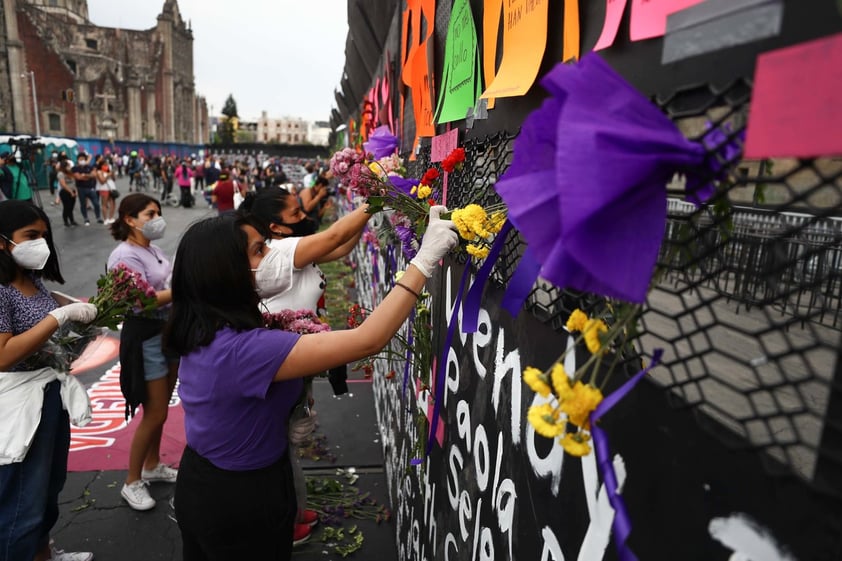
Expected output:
(441, 369)
(521, 283)
(470, 314)
(622, 522)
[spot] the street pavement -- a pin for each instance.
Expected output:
(93, 517)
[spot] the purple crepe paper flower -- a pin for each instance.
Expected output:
(381, 143)
(586, 187)
(404, 185)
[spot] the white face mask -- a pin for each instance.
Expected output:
(31, 254)
(267, 277)
(154, 229)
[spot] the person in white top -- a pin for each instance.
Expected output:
(292, 280)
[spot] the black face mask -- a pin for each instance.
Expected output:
(301, 228)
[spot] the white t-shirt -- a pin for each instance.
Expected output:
(306, 284)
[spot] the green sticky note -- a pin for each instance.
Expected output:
(460, 86)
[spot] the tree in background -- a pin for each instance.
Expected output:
(230, 121)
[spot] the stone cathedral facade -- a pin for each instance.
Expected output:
(97, 82)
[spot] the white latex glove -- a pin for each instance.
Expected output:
(300, 429)
(79, 311)
(440, 238)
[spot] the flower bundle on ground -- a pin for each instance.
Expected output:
(337, 501)
(572, 398)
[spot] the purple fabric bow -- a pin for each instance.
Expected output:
(381, 143)
(586, 186)
(403, 184)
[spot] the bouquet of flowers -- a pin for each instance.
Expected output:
(383, 185)
(120, 292)
(301, 321)
(572, 399)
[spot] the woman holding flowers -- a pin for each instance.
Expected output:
(34, 421)
(148, 373)
(239, 382)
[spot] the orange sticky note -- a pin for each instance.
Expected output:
(492, 11)
(570, 41)
(613, 15)
(649, 17)
(524, 41)
(795, 110)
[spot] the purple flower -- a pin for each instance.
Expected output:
(586, 186)
(409, 244)
(381, 143)
(404, 185)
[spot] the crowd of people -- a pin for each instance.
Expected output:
(239, 491)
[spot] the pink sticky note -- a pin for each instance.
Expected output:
(649, 17)
(443, 145)
(439, 427)
(795, 109)
(613, 15)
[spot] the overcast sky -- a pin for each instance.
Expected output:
(281, 56)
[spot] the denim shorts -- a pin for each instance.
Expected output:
(155, 360)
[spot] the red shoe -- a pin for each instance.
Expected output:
(300, 534)
(308, 517)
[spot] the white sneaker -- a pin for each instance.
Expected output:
(161, 472)
(61, 555)
(137, 495)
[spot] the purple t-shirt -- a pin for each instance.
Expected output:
(144, 260)
(235, 415)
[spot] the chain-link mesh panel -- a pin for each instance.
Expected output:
(747, 291)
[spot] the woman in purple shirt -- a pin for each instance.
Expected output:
(238, 383)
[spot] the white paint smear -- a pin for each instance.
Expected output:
(747, 539)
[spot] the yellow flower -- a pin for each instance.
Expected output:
(577, 320)
(593, 328)
(536, 380)
(377, 169)
(561, 382)
(424, 191)
(413, 190)
(495, 222)
(480, 252)
(576, 443)
(579, 405)
(470, 222)
(399, 275)
(545, 420)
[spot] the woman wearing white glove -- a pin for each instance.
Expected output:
(293, 281)
(239, 381)
(30, 479)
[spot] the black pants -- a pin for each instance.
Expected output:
(186, 197)
(234, 515)
(68, 201)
